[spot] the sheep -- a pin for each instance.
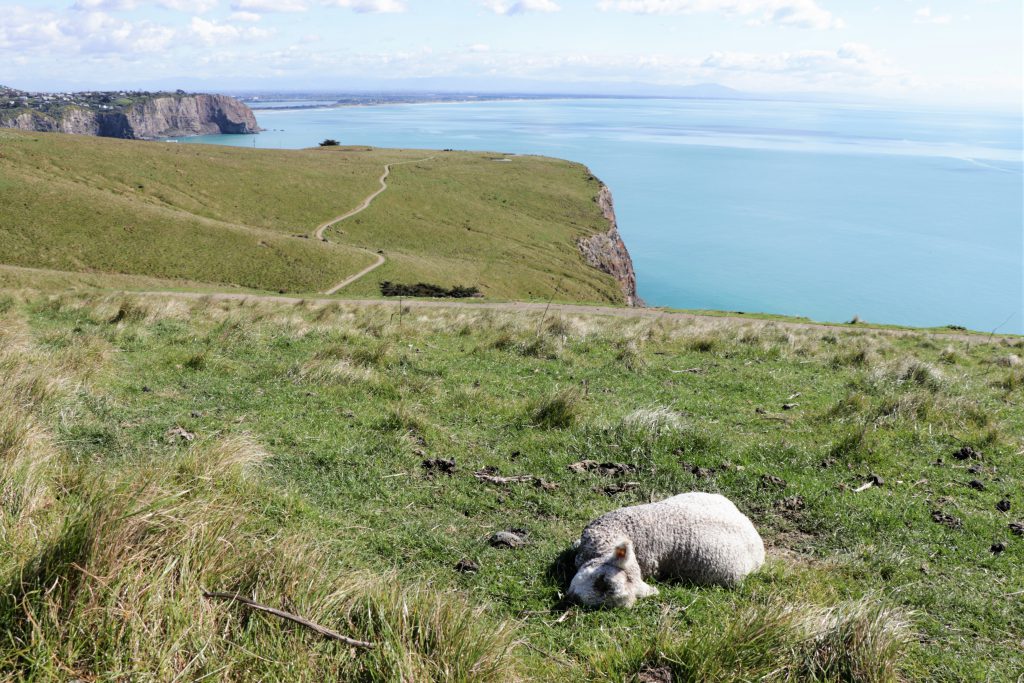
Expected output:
(696, 537)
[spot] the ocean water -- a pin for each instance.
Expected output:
(908, 216)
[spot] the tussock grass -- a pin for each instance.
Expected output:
(329, 371)
(858, 357)
(135, 553)
(703, 344)
(856, 641)
(26, 453)
(631, 356)
(921, 373)
(1009, 361)
(561, 410)
(652, 422)
(950, 356)
(908, 373)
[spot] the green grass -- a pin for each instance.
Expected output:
(507, 224)
(304, 488)
(239, 217)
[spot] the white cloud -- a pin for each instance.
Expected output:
(798, 13)
(82, 32)
(370, 6)
(192, 6)
(510, 7)
(214, 32)
(269, 5)
(107, 5)
(250, 17)
(851, 66)
(925, 16)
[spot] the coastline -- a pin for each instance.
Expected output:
(677, 140)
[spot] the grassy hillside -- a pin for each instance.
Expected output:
(151, 448)
(229, 216)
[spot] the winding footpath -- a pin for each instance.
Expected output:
(319, 232)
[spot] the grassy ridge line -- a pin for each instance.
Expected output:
(347, 401)
(176, 211)
(556, 309)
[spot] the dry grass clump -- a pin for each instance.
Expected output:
(341, 371)
(750, 336)
(704, 343)
(529, 345)
(1009, 361)
(950, 356)
(858, 641)
(26, 453)
(921, 373)
(115, 591)
(1011, 382)
(652, 422)
(859, 356)
(631, 356)
(909, 372)
(560, 326)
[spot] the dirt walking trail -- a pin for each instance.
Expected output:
(319, 232)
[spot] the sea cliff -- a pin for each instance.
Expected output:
(607, 252)
(158, 116)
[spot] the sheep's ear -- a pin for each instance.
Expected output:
(622, 554)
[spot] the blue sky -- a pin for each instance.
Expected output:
(949, 51)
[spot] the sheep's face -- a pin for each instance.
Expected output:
(612, 581)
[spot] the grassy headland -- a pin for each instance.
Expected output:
(239, 217)
(154, 447)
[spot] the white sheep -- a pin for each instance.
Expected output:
(697, 537)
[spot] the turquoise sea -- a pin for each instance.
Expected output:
(897, 215)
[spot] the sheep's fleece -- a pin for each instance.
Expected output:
(697, 537)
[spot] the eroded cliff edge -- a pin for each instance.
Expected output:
(607, 252)
(161, 116)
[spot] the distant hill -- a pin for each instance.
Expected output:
(125, 114)
(198, 216)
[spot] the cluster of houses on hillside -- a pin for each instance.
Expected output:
(11, 98)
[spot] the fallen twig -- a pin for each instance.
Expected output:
(516, 479)
(550, 656)
(326, 632)
(495, 479)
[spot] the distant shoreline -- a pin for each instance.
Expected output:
(471, 99)
(383, 103)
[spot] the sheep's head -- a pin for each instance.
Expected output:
(613, 580)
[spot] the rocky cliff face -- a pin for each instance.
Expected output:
(158, 117)
(607, 252)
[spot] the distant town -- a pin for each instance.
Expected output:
(51, 103)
